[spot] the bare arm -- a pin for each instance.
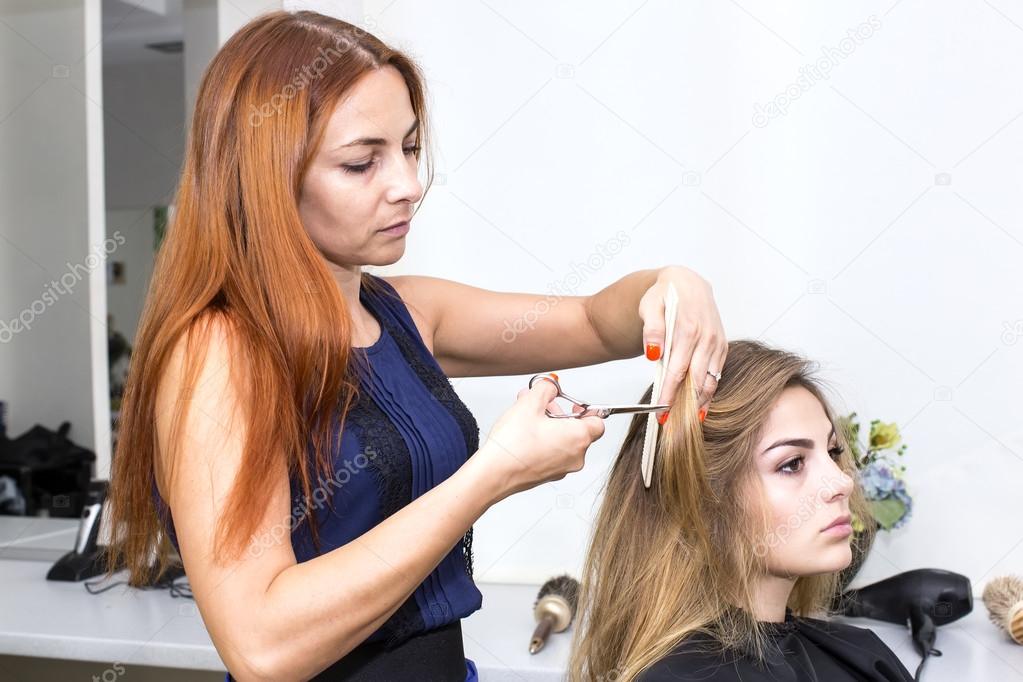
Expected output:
(272, 618)
(477, 332)
(320, 618)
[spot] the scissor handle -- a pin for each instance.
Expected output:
(553, 378)
(549, 376)
(565, 415)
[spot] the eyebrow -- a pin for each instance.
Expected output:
(798, 442)
(376, 141)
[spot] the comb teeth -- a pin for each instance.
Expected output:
(652, 425)
(649, 443)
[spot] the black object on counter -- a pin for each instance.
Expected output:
(923, 598)
(86, 559)
(51, 471)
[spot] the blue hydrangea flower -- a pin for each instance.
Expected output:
(881, 482)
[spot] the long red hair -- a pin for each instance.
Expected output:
(236, 250)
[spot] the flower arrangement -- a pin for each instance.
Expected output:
(881, 477)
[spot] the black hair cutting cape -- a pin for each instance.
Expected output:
(803, 650)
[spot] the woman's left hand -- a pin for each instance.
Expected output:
(698, 341)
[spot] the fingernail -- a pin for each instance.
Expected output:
(555, 376)
(703, 413)
(653, 351)
(662, 417)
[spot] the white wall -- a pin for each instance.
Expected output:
(47, 252)
(207, 25)
(872, 226)
(144, 117)
(143, 104)
(134, 226)
(875, 226)
(201, 42)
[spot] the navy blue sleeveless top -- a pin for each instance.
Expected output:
(407, 432)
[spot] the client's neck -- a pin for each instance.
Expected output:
(771, 597)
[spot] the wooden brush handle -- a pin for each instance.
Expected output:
(540, 634)
(1014, 622)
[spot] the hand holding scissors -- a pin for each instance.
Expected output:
(524, 448)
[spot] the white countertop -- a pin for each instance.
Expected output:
(149, 627)
(37, 538)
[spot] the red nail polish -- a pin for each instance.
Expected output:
(662, 417)
(653, 351)
(703, 413)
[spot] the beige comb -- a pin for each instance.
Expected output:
(652, 426)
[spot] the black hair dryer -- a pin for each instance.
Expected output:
(86, 559)
(924, 598)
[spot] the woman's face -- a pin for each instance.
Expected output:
(364, 177)
(804, 489)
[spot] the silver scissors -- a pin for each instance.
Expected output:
(589, 410)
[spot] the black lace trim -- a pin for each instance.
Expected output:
(442, 390)
(391, 466)
(391, 461)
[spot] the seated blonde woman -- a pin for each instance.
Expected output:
(723, 569)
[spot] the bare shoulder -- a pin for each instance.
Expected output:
(425, 298)
(208, 350)
(203, 393)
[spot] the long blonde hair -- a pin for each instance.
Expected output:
(237, 251)
(683, 556)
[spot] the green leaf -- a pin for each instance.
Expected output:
(887, 512)
(850, 428)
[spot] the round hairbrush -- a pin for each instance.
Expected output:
(1003, 597)
(554, 609)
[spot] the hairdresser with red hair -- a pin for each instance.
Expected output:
(288, 426)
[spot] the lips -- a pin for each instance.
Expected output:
(841, 520)
(398, 224)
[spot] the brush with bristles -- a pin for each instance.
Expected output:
(1003, 597)
(554, 609)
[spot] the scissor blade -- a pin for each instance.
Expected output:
(606, 410)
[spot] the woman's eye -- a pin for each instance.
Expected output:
(357, 168)
(785, 468)
(363, 167)
(795, 465)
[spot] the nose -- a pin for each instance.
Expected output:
(838, 483)
(403, 181)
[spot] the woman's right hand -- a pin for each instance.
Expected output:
(526, 447)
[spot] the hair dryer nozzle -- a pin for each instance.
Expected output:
(942, 595)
